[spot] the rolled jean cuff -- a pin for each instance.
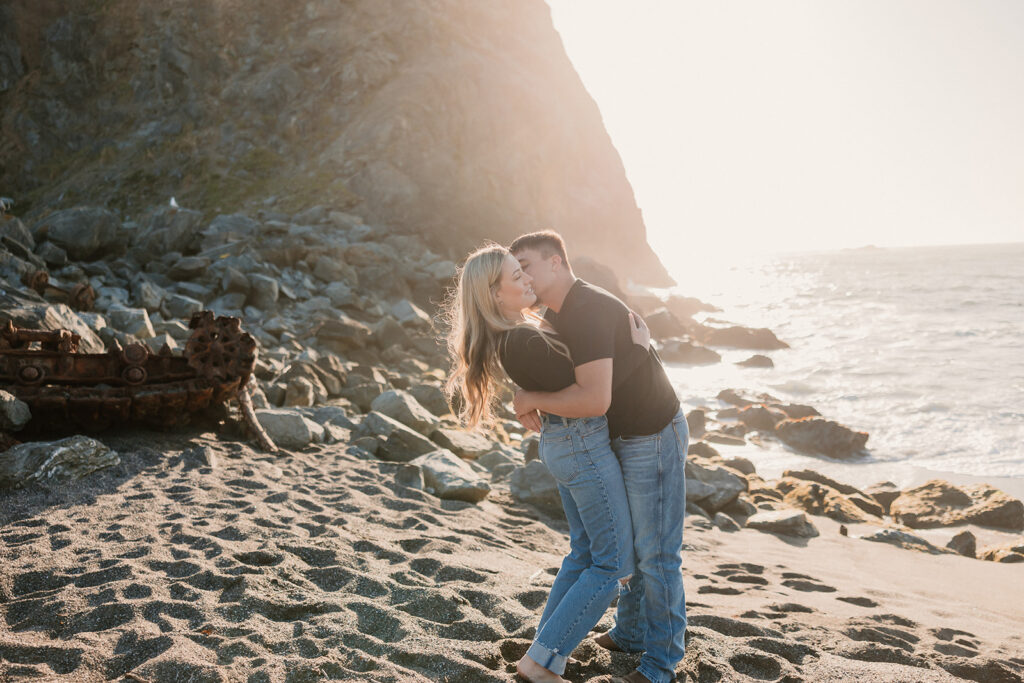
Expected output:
(549, 659)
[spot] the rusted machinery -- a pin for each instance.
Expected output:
(81, 297)
(92, 391)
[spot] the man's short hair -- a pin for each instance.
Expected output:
(547, 242)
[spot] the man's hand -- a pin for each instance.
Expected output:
(530, 420)
(523, 403)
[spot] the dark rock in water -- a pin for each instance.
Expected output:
(67, 459)
(757, 361)
(785, 522)
(695, 423)
(795, 411)
(938, 503)
(964, 543)
(86, 233)
(740, 399)
(825, 437)
(664, 324)
(761, 417)
(702, 449)
(687, 352)
(534, 484)
(451, 478)
(743, 338)
(884, 492)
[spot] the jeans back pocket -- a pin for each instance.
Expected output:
(558, 453)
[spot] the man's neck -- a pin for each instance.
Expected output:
(555, 296)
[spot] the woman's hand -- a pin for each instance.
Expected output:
(639, 331)
(525, 411)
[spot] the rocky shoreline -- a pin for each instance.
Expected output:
(385, 543)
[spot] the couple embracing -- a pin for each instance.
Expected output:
(611, 433)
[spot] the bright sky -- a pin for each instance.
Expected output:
(811, 124)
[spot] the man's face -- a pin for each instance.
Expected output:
(542, 269)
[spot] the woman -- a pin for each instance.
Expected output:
(493, 328)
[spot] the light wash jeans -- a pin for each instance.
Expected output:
(651, 615)
(579, 456)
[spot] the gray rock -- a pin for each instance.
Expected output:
(687, 352)
(363, 393)
(340, 294)
(54, 256)
(147, 295)
(757, 361)
(495, 458)
(408, 313)
(181, 306)
(464, 444)
(761, 417)
(14, 414)
(264, 292)
(531, 447)
(451, 478)
(329, 269)
(821, 436)
(290, 429)
(166, 229)
(726, 485)
(696, 422)
(334, 415)
(189, 268)
(398, 443)
(432, 398)
(67, 459)
(725, 522)
(401, 406)
(534, 484)
(343, 334)
(410, 476)
(86, 233)
(784, 522)
(133, 321)
(902, 539)
(299, 392)
(13, 227)
(229, 304)
(234, 281)
(157, 343)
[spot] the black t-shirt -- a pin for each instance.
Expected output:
(531, 362)
(595, 325)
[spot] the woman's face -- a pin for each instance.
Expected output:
(515, 289)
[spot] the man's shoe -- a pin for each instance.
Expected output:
(632, 677)
(604, 640)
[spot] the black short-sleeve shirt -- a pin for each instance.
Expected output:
(531, 362)
(594, 325)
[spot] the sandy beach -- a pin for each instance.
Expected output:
(314, 565)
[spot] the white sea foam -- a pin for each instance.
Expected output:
(923, 348)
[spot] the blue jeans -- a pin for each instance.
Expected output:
(651, 616)
(579, 456)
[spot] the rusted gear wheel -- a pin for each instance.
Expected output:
(82, 297)
(219, 348)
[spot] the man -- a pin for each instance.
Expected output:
(648, 434)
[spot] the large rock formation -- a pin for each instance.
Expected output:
(458, 119)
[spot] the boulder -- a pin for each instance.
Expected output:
(696, 423)
(432, 398)
(687, 352)
(343, 334)
(164, 230)
(181, 306)
(410, 476)
(761, 417)
(885, 492)
(450, 477)
(783, 522)
(133, 321)
(469, 445)
(411, 315)
(299, 392)
(290, 429)
(757, 361)
(901, 539)
(495, 459)
(740, 464)
(852, 494)
(1010, 552)
(14, 414)
(530, 446)
(820, 436)
(398, 443)
(938, 503)
(335, 415)
(13, 228)
(340, 294)
(740, 399)
(400, 405)
(743, 338)
(189, 268)
(795, 411)
(664, 324)
(964, 543)
(63, 460)
(86, 233)
(720, 487)
(263, 292)
(53, 317)
(819, 499)
(725, 522)
(703, 449)
(534, 484)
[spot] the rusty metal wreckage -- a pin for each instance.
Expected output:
(131, 384)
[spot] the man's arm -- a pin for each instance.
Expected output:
(589, 396)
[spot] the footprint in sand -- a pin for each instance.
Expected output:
(860, 602)
(808, 586)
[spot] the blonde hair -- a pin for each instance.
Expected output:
(477, 328)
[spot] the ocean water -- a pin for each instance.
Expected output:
(923, 348)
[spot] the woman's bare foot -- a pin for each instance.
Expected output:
(535, 673)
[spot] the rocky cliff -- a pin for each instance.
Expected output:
(456, 119)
